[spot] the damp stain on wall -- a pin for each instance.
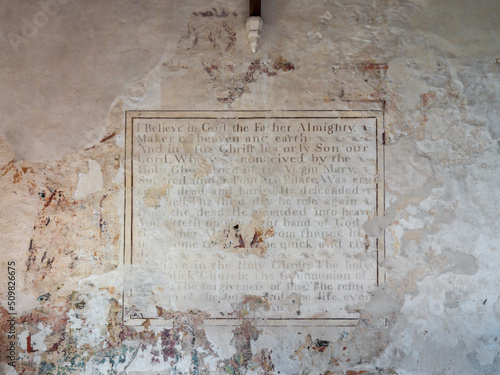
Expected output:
(440, 104)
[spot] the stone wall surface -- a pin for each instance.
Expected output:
(69, 71)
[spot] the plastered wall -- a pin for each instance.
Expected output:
(70, 69)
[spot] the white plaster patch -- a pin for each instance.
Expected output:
(221, 337)
(7, 370)
(119, 175)
(26, 302)
(90, 182)
(21, 339)
(74, 319)
(120, 140)
(92, 332)
(109, 279)
(38, 339)
(212, 362)
(37, 342)
(408, 171)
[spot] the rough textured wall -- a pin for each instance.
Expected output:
(69, 71)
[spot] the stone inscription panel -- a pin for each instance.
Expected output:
(226, 210)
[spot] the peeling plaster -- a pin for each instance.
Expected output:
(433, 65)
(90, 182)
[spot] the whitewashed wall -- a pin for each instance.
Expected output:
(69, 70)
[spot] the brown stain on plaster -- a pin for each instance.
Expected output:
(427, 99)
(363, 66)
(244, 239)
(59, 245)
(152, 196)
(108, 137)
(214, 37)
(375, 66)
(104, 139)
(188, 143)
(210, 30)
(173, 66)
(204, 168)
(330, 241)
(53, 315)
(6, 167)
(362, 82)
(29, 346)
(280, 63)
(412, 235)
(19, 172)
(396, 244)
(251, 303)
(117, 332)
(255, 71)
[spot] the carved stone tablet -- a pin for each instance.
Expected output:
(226, 210)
